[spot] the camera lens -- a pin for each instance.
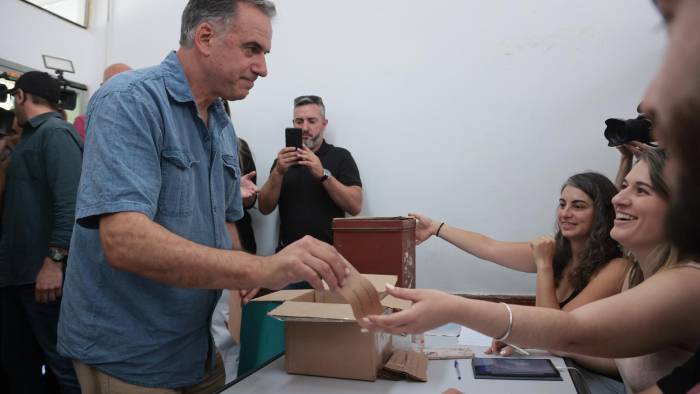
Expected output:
(619, 131)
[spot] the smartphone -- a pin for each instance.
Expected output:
(293, 137)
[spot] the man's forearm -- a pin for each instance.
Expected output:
(134, 243)
(248, 202)
(270, 193)
(348, 198)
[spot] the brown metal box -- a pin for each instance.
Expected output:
(379, 245)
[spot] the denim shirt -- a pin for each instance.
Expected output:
(148, 151)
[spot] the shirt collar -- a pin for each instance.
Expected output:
(177, 84)
(38, 120)
(323, 149)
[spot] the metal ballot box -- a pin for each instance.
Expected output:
(379, 245)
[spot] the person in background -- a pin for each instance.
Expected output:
(229, 301)
(109, 72)
(673, 102)
(311, 185)
(581, 264)
(37, 218)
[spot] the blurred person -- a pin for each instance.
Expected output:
(109, 72)
(38, 210)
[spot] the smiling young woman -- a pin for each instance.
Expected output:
(647, 329)
(581, 264)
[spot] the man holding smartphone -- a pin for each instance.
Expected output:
(312, 184)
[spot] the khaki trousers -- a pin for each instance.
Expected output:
(93, 381)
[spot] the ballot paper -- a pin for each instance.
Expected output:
(470, 337)
(359, 292)
(448, 330)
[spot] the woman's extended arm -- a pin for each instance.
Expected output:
(660, 312)
(514, 255)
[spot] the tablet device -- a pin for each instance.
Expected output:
(515, 369)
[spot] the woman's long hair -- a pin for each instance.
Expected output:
(665, 255)
(600, 248)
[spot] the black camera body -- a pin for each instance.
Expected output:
(68, 98)
(622, 131)
(6, 118)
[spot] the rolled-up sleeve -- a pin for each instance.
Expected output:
(122, 162)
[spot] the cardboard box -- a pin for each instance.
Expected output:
(323, 338)
(379, 245)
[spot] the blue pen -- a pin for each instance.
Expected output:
(459, 375)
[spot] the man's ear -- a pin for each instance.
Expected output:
(203, 38)
(20, 96)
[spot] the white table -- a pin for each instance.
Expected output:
(272, 378)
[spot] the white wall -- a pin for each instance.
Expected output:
(473, 112)
(28, 33)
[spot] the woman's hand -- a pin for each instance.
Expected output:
(425, 227)
(634, 148)
(543, 249)
(498, 347)
(430, 309)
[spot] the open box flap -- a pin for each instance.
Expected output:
(395, 303)
(282, 295)
(316, 305)
(379, 281)
(312, 311)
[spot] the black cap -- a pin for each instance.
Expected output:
(39, 84)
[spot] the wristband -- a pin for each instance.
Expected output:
(437, 233)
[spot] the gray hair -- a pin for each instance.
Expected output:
(217, 12)
(311, 99)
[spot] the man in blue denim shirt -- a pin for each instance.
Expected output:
(159, 194)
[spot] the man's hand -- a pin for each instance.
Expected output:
(309, 159)
(285, 159)
(49, 282)
(307, 259)
(247, 295)
(248, 187)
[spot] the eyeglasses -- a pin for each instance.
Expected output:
(308, 99)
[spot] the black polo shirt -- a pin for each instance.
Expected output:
(39, 200)
(305, 207)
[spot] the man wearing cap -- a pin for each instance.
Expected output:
(38, 210)
(314, 184)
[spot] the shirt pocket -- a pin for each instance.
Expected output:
(231, 178)
(177, 183)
